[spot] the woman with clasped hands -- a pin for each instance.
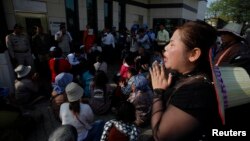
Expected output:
(184, 104)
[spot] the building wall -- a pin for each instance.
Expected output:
(116, 14)
(165, 13)
(19, 11)
(9, 14)
(30, 6)
(137, 11)
(188, 15)
(100, 14)
(165, 1)
(56, 14)
(142, 1)
(83, 21)
(13, 7)
(173, 12)
(191, 3)
(202, 7)
(133, 15)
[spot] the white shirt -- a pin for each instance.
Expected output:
(86, 116)
(162, 37)
(108, 39)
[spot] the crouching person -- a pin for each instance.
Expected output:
(26, 87)
(80, 115)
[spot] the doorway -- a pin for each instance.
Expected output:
(30, 24)
(29, 20)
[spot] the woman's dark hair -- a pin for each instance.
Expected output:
(126, 112)
(132, 70)
(201, 35)
(99, 58)
(129, 59)
(75, 107)
(100, 81)
(57, 52)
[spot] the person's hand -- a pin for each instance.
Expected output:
(121, 84)
(158, 77)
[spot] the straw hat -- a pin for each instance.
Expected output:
(22, 71)
(233, 28)
(74, 92)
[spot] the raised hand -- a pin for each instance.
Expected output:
(158, 76)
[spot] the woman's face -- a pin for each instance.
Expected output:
(129, 74)
(176, 54)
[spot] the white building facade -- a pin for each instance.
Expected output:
(100, 13)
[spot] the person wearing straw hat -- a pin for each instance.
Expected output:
(80, 115)
(185, 105)
(232, 44)
(25, 84)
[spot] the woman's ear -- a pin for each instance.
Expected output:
(194, 54)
